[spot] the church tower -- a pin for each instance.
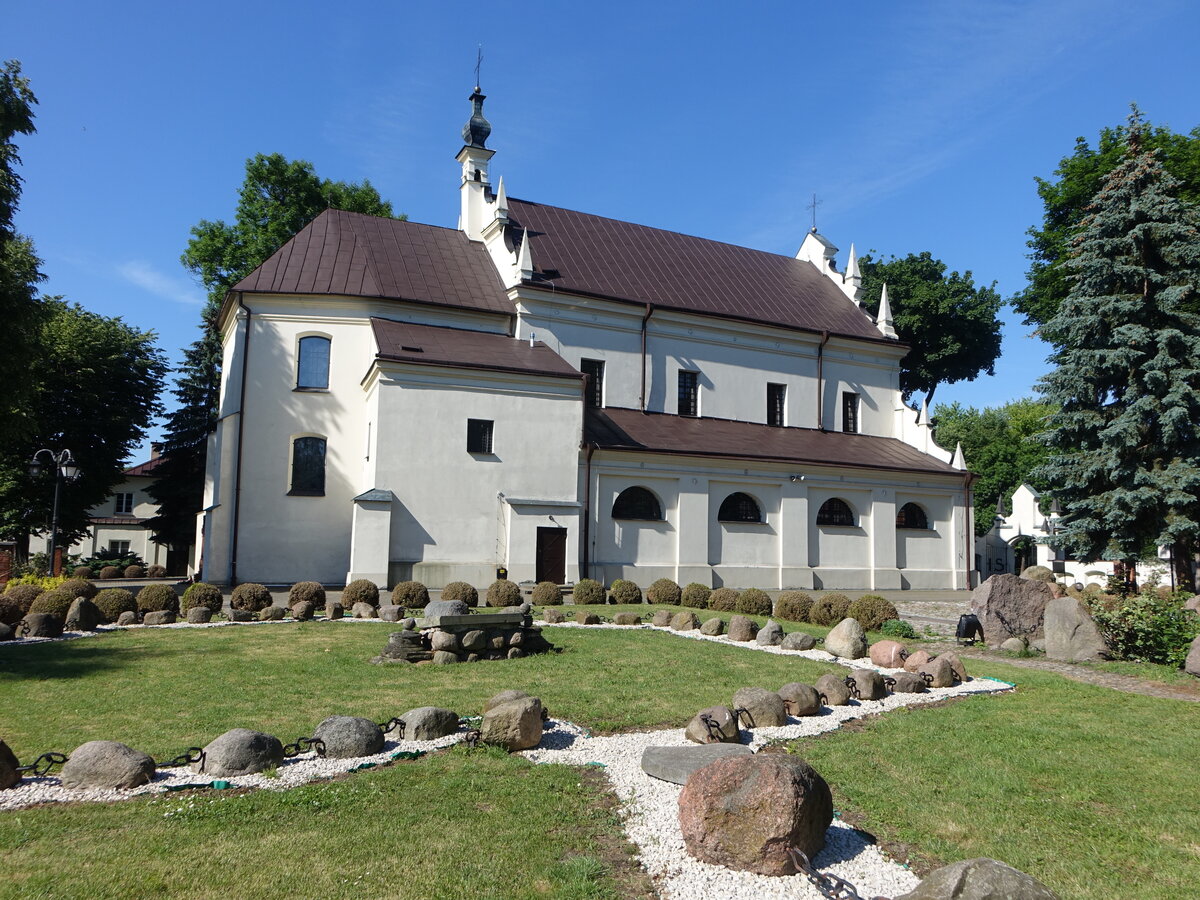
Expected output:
(475, 189)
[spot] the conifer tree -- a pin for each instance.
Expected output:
(1125, 434)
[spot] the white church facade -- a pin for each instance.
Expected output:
(562, 395)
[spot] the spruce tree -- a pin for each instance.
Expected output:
(1125, 434)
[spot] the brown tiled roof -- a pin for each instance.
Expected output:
(433, 345)
(356, 255)
(146, 468)
(117, 520)
(622, 261)
(629, 429)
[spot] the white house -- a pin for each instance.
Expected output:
(563, 395)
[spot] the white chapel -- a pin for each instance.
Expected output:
(562, 395)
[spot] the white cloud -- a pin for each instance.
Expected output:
(144, 275)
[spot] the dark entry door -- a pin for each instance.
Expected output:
(552, 555)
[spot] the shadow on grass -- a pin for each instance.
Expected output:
(54, 660)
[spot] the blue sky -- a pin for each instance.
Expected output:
(919, 125)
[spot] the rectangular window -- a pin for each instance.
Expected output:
(594, 370)
(849, 412)
(689, 393)
(118, 548)
(479, 435)
(308, 467)
(124, 504)
(312, 368)
(776, 398)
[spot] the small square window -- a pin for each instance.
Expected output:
(479, 436)
(124, 504)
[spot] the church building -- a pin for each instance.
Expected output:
(562, 395)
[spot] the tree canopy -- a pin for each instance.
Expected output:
(951, 325)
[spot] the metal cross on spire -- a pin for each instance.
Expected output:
(813, 206)
(478, 63)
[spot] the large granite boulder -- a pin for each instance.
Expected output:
(916, 659)
(766, 708)
(160, 617)
(627, 618)
(8, 767)
(1071, 633)
(444, 640)
(199, 615)
(404, 646)
(106, 764)
(798, 640)
(770, 635)
(888, 654)
(389, 613)
(979, 879)
(662, 618)
(428, 723)
(1192, 604)
(303, 611)
(553, 616)
(445, 657)
(724, 727)
(41, 625)
(83, 615)
(1191, 665)
(800, 699)
(908, 683)
(960, 670)
(676, 764)
(834, 690)
(347, 737)
(1008, 606)
(334, 610)
(272, 613)
(713, 627)
(847, 640)
(685, 621)
(516, 725)
(1013, 645)
(869, 683)
(234, 615)
(435, 609)
(583, 617)
(745, 813)
(742, 628)
(127, 618)
(240, 751)
(362, 610)
(941, 673)
(503, 697)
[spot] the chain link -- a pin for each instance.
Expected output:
(472, 738)
(395, 723)
(303, 745)
(44, 763)
(714, 727)
(743, 714)
(830, 886)
(186, 758)
(852, 685)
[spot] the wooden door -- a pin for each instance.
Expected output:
(552, 555)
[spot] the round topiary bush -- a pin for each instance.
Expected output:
(461, 592)
(872, 610)
(82, 572)
(753, 602)
(361, 591)
(110, 572)
(79, 587)
(664, 591)
(134, 571)
(897, 628)
(201, 594)
(588, 592)
(547, 593)
(625, 591)
(793, 606)
(157, 597)
(410, 595)
(309, 592)
(16, 601)
(156, 571)
(503, 593)
(829, 610)
(54, 603)
(113, 601)
(723, 599)
(250, 596)
(696, 595)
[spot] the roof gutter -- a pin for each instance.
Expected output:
(237, 472)
(645, 319)
(821, 381)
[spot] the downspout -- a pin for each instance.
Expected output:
(821, 381)
(645, 319)
(237, 477)
(969, 532)
(585, 518)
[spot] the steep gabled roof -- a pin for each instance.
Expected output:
(618, 260)
(436, 346)
(356, 255)
(147, 468)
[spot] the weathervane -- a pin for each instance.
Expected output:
(813, 206)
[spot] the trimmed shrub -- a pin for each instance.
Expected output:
(250, 596)
(696, 595)
(82, 572)
(15, 601)
(54, 603)
(309, 592)
(462, 592)
(201, 594)
(361, 591)
(723, 599)
(547, 593)
(157, 597)
(829, 610)
(113, 601)
(753, 602)
(503, 593)
(110, 572)
(1144, 627)
(410, 595)
(897, 628)
(871, 611)
(134, 571)
(793, 606)
(664, 591)
(624, 591)
(156, 571)
(588, 592)
(80, 587)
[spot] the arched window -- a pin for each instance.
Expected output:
(637, 503)
(911, 516)
(308, 466)
(312, 366)
(835, 512)
(739, 507)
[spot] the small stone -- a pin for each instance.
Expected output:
(515, 653)
(869, 683)
(272, 614)
(847, 640)
(770, 635)
(240, 751)
(742, 629)
(83, 615)
(916, 660)
(106, 764)
(765, 707)
(127, 618)
(834, 690)
(1013, 645)
(497, 641)
(347, 737)
(428, 723)
(303, 611)
(713, 627)
(724, 730)
(516, 725)
(676, 764)
(627, 618)
(516, 639)
(389, 613)
(199, 615)
(798, 640)
(474, 640)
(502, 698)
(6, 632)
(553, 616)
(888, 654)
(979, 879)
(685, 621)
(409, 624)
(8, 767)
(940, 670)
(444, 657)
(41, 625)
(908, 683)
(240, 615)
(444, 640)
(334, 610)
(362, 611)
(662, 619)
(583, 617)
(800, 699)
(160, 617)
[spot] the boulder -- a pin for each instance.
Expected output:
(502, 698)
(770, 635)
(515, 725)
(662, 618)
(745, 813)
(41, 625)
(127, 618)
(583, 617)
(106, 764)
(303, 611)
(334, 610)
(514, 653)
(917, 659)
(1193, 604)
(199, 615)
(800, 699)
(685, 621)
(408, 624)
(1008, 606)
(908, 683)
(435, 609)
(8, 767)
(627, 618)
(1191, 664)
(676, 764)
(474, 640)
(444, 657)
(1071, 633)
(724, 730)
(428, 723)
(6, 632)
(742, 628)
(240, 751)
(940, 670)
(713, 627)
(389, 613)
(553, 616)
(347, 737)
(272, 614)
(888, 654)
(444, 640)
(979, 879)
(834, 690)
(240, 615)
(847, 640)
(869, 683)
(1013, 645)
(960, 671)
(405, 646)
(83, 615)
(798, 640)
(159, 617)
(362, 611)
(766, 708)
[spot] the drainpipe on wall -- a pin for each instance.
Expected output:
(969, 532)
(237, 475)
(585, 518)
(645, 319)
(821, 381)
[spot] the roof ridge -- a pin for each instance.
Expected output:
(774, 428)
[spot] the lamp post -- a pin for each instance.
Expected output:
(65, 469)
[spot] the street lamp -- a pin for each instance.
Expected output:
(65, 469)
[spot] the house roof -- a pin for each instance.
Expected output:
(146, 468)
(118, 520)
(630, 429)
(357, 255)
(617, 260)
(434, 345)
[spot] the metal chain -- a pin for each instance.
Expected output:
(472, 738)
(714, 727)
(303, 745)
(744, 715)
(186, 758)
(889, 682)
(830, 886)
(44, 763)
(853, 686)
(393, 724)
